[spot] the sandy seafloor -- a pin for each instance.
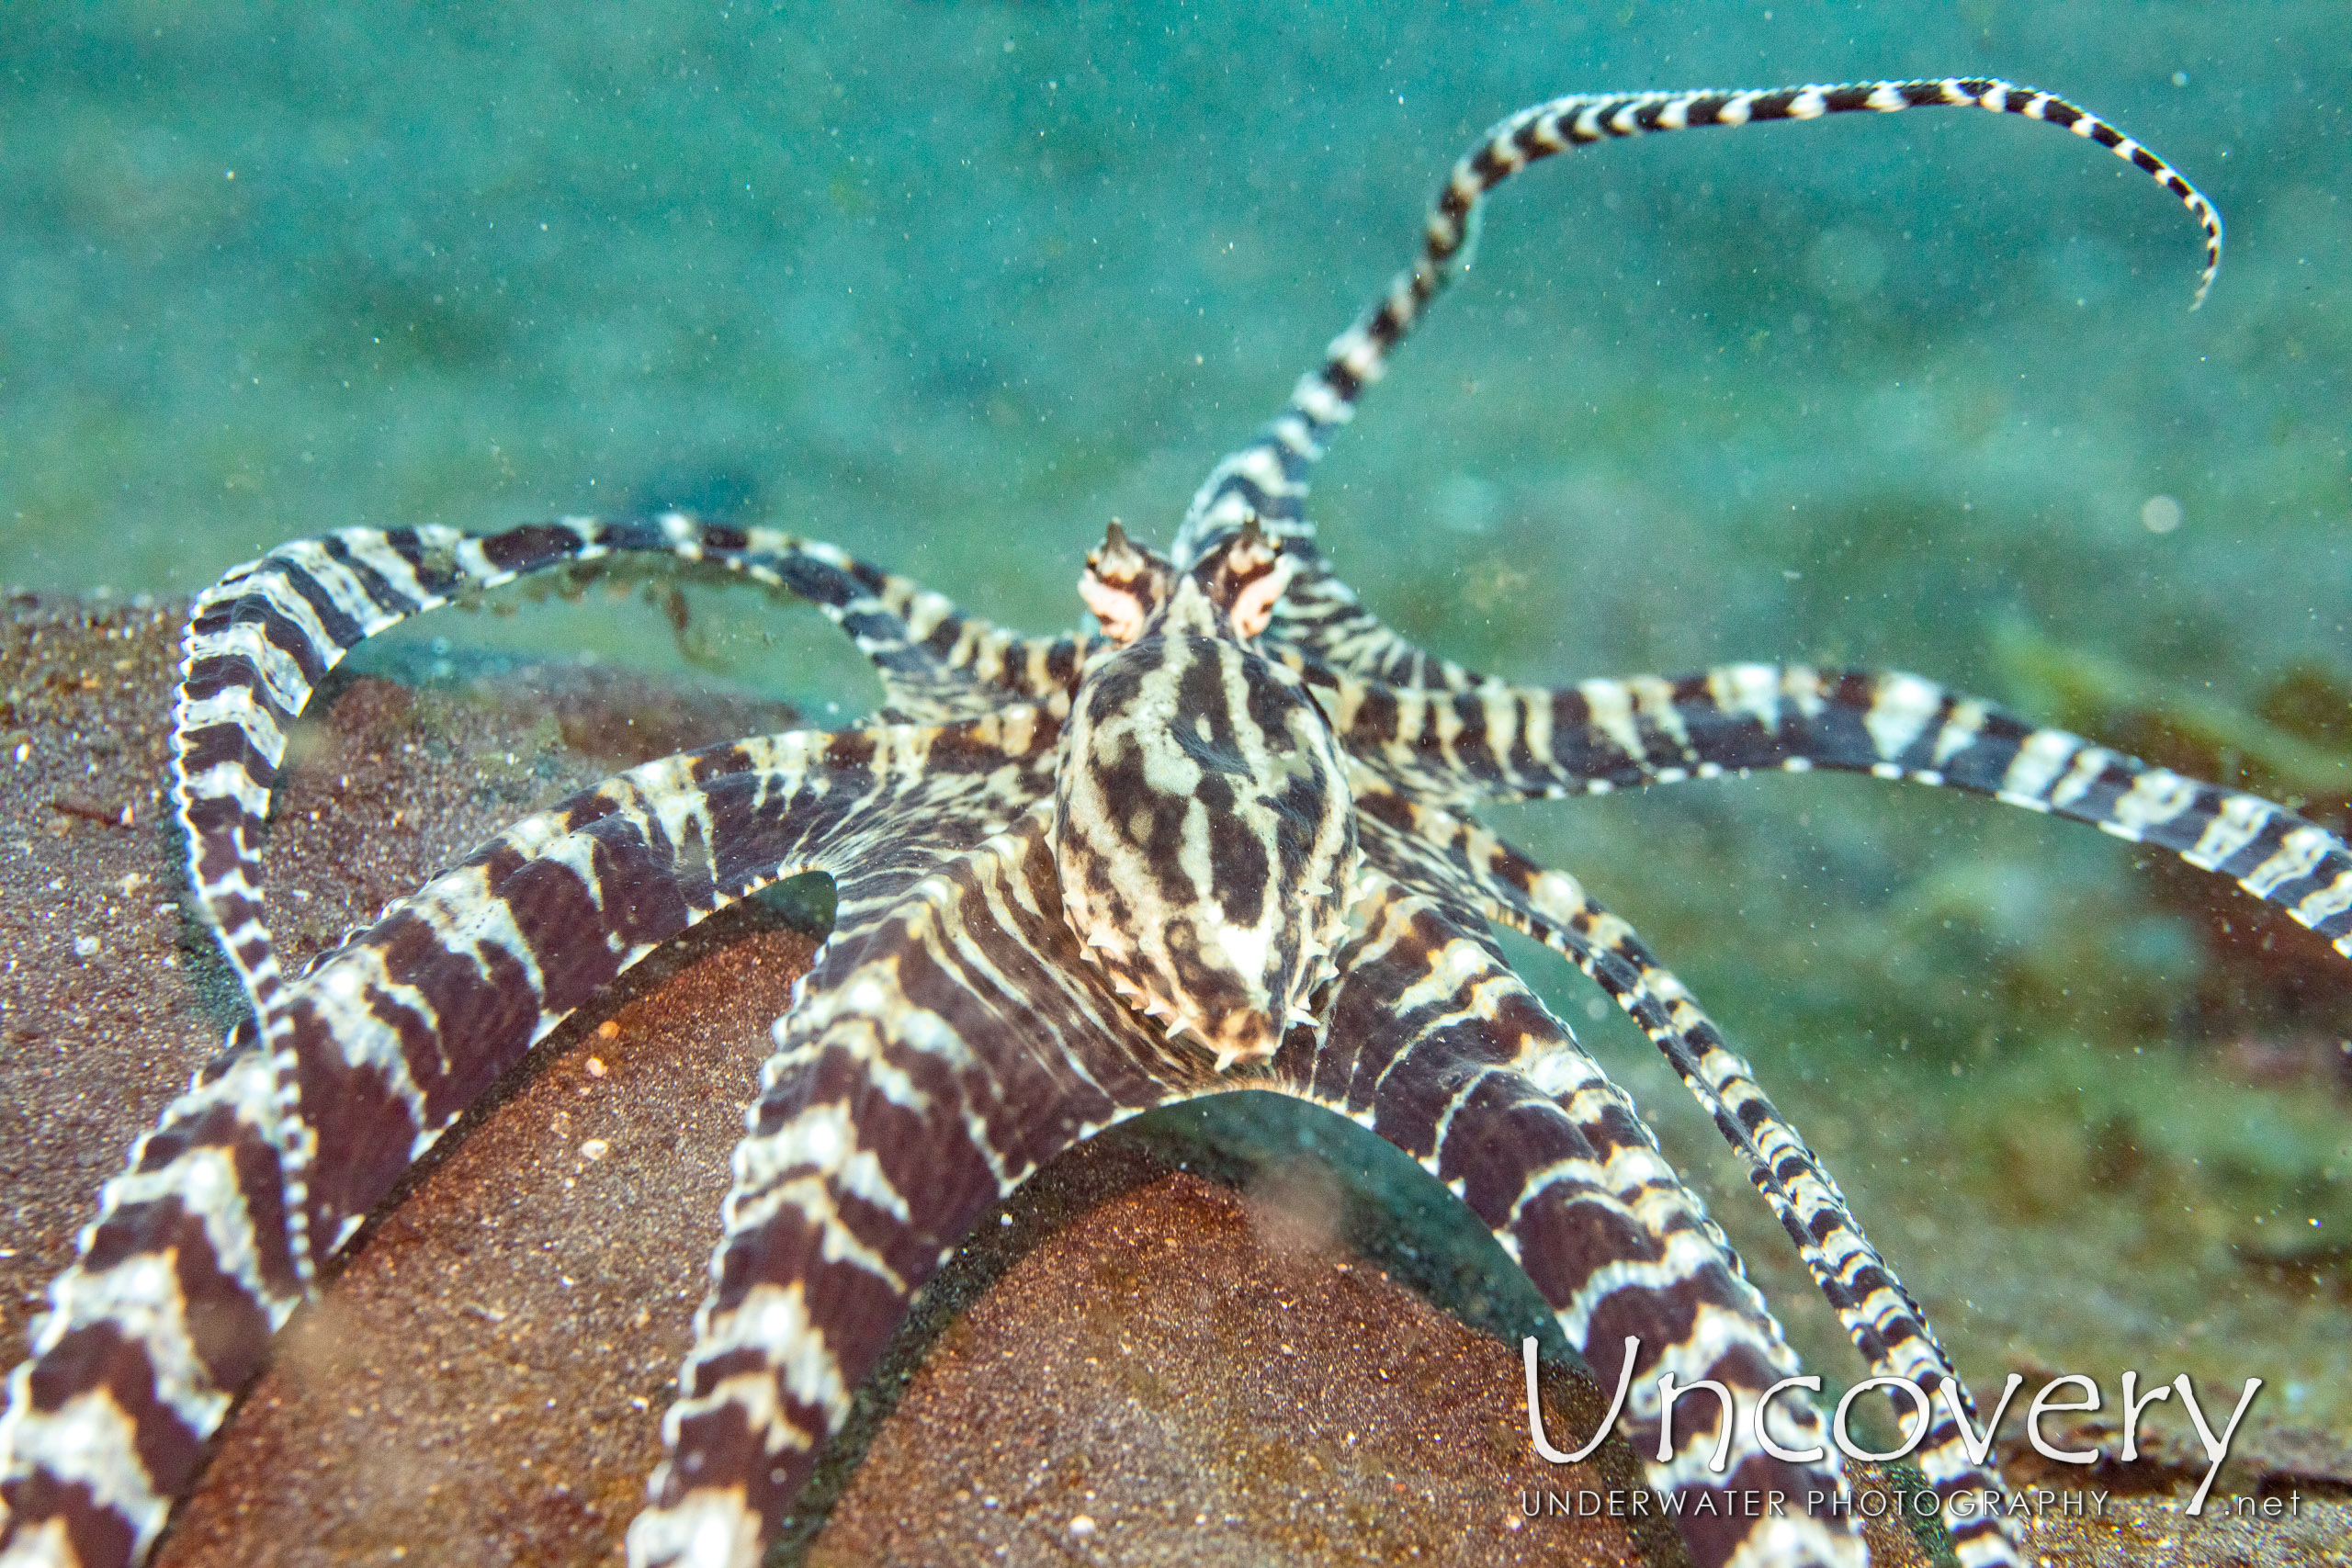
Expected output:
(953, 285)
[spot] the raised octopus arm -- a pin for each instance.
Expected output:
(1267, 478)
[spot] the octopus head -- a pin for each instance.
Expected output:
(1204, 828)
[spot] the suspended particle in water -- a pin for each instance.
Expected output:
(2160, 514)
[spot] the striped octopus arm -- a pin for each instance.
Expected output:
(1429, 1040)
(1884, 1320)
(1267, 478)
(933, 1060)
(1504, 742)
(276, 1155)
(261, 639)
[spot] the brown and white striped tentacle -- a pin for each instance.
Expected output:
(181, 1282)
(1267, 478)
(1394, 846)
(1502, 742)
(259, 641)
(1893, 726)
(386, 1047)
(1886, 1322)
(956, 665)
(1320, 618)
(930, 1062)
(190, 1265)
(1430, 1040)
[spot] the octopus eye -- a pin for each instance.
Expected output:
(1250, 581)
(1123, 584)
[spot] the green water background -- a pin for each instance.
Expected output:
(951, 285)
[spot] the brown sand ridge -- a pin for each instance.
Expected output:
(1134, 1364)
